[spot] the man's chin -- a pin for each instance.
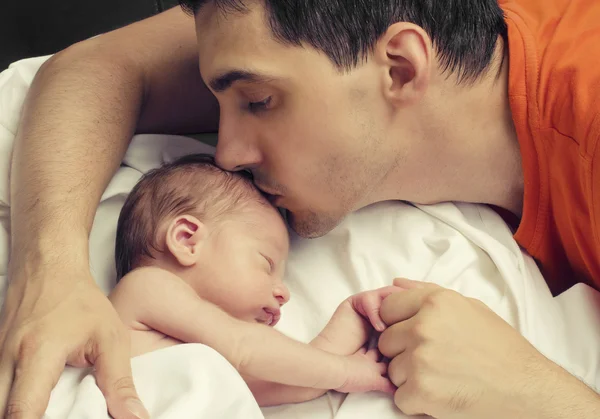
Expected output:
(310, 225)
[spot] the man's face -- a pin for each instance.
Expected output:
(315, 138)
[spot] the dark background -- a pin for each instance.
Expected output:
(31, 28)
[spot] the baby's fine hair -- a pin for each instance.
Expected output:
(191, 185)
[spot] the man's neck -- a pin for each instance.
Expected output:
(473, 152)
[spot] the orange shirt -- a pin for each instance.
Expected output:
(554, 92)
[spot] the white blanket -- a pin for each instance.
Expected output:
(464, 247)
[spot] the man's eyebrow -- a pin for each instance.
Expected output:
(225, 80)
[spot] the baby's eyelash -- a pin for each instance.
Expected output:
(271, 263)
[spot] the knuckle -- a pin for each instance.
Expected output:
(370, 298)
(422, 388)
(391, 298)
(422, 331)
(421, 357)
(78, 357)
(373, 309)
(406, 401)
(103, 343)
(385, 343)
(394, 371)
(115, 334)
(389, 304)
(16, 409)
(121, 385)
(29, 345)
(441, 303)
(26, 342)
(437, 298)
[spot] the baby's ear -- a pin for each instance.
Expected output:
(185, 235)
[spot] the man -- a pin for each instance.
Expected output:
(333, 105)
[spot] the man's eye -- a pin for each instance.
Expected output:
(259, 106)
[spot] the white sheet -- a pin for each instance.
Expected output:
(464, 247)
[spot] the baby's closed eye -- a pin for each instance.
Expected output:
(270, 263)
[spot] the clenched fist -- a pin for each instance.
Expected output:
(452, 357)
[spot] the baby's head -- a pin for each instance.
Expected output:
(212, 228)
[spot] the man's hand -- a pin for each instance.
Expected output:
(452, 357)
(49, 322)
(366, 373)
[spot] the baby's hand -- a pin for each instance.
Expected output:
(368, 303)
(350, 326)
(365, 373)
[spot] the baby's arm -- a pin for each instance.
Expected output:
(347, 331)
(257, 351)
(269, 393)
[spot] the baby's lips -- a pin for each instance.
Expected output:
(272, 316)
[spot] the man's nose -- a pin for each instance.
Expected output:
(236, 149)
(281, 293)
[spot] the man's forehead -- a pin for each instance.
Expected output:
(231, 41)
(243, 44)
(214, 20)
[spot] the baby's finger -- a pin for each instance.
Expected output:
(385, 385)
(382, 367)
(373, 354)
(371, 305)
(389, 387)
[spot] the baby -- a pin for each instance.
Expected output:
(200, 257)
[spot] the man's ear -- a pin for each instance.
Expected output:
(405, 53)
(185, 236)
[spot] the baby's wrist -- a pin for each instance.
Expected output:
(335, 375)
(323, 343)
(341, 375)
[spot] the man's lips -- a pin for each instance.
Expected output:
(268, 192)
(273, 199)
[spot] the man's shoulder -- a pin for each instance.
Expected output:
(562, 50)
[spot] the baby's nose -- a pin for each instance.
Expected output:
(281, 293)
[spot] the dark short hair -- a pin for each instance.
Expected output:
(464, 32)
(190, 185)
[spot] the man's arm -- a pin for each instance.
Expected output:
(82, 109)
